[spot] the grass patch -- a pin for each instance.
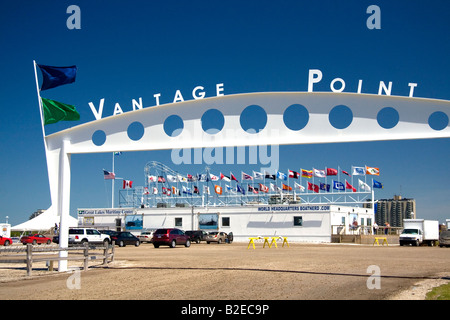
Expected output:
(439, 293)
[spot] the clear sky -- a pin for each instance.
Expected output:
(126, 50)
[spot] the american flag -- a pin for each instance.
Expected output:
(246, 176)
(108, 175)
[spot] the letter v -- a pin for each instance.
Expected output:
(97, 114)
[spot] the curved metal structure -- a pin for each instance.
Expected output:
(413, 122)
(276, 125)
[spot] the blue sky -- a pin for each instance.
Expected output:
(127, 50)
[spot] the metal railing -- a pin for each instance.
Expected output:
(364, 230)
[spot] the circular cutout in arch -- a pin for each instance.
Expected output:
(340, 117)
(253, 119)
(438, 120)
(388, 118)
(296, 117)
(135, 131)
(212, 121)
(99, 138)
(173, 125)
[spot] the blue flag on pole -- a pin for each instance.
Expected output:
(338, 185)
(377, 184)
(56, 76)
(239, 189)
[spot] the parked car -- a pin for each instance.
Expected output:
(218, 237)
(170, 237)
(35, 239)
(110, 233)
(90, 235)
(444, 239)
(5, 241)
(124, 237)
(196, 235)
(146, 236)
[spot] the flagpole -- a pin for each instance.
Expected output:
(39, 99)
(112, 188)
(373, 200)
(339, 176)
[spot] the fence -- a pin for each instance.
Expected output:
(30, 254)
(364, 230)
(363, 234)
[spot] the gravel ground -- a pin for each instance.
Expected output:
(233, 272)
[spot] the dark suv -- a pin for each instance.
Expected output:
(196, 235)
(170, 237)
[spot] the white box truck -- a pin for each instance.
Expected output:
(419, 231)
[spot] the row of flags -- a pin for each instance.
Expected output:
(262, 188)
(206, 177)
(256, 187)
(52, 77)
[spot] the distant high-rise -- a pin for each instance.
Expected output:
(394, 211)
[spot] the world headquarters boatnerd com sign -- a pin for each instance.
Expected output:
(295, 208)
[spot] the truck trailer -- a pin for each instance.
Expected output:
(419, 231)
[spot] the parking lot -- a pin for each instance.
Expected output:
(231, 271)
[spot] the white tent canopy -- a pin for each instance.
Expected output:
(44, 221)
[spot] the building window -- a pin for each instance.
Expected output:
(178, 222)
(298, 221)
(225, 221)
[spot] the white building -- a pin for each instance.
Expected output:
(298, 222)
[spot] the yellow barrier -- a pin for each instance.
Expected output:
(380, 238)
(266, 240)
(285, 241)
(252, 241)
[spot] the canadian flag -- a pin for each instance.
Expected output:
(263, 188)
(127, 184)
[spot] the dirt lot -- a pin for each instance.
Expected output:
(231, 271)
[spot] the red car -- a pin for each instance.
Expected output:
(35, 239)
(4, 241)
(170, 237)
